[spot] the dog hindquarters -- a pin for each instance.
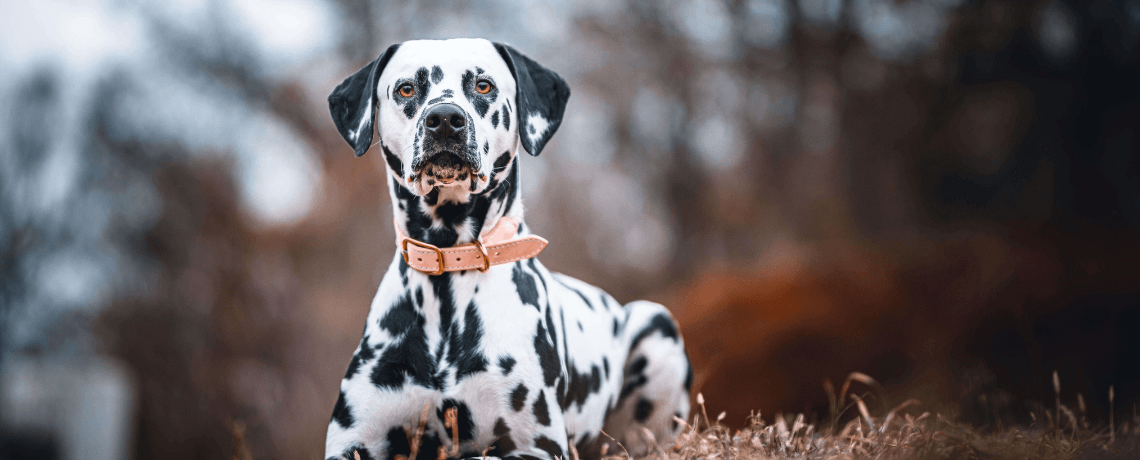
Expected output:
(656, 379)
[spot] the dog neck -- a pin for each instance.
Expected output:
(444, 222)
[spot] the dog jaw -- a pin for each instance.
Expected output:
(449, 174)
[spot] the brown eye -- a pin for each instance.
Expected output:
(483, 86)
(407, 90)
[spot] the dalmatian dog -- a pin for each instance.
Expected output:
(472, 347)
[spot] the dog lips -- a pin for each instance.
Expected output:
(447, 168)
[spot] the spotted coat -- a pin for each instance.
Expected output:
(532, 361)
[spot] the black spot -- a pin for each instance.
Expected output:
(486, 147)
(398, 443)
(506, 118)
(422, 85)
(632, 384)
(509, 188)
(616, 327)
(541, 412)
(526, 287)
(466, 423)
(534, 268)
(451, 213)
(580, 294)
(416, 221)
(363, 355)
(495, 119)
(560, 393)
(547, 355)
(449, 331)
(503, 444)
(637, 366)
(688, 375)
(441, 287)
(466, 352)
(606, 366)
(472, 155)
(634, 377)
(552, 330)
(342, 414)
(548, 445)
(506, 363)
(436, 74)
(434, 222)
(580, 327)
(581, 385)
(518, 397)
(532, 129)
(482, 102)
(401, 317)
(362, 452)
(406, 357)
(441, 377)
(429, 447)
(609, 302)
(659, 323)
(501, 162)
(643, 410)
(393, 161)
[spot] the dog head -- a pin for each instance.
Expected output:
(449, 111)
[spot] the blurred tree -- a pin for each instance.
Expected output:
(930, 191)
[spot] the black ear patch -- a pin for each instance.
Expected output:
(541, 98)
(353, 103)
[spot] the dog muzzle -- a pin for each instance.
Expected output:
(501, 245)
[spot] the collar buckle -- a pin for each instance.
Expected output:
(483, 252)
(437, 251)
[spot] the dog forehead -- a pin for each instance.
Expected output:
(454, 55)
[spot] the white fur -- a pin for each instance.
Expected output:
(454, 57)
(585, 332)
(536, 127)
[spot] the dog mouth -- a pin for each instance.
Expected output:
(446, 169)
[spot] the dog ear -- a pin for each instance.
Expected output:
(353, 103)
(541, 98)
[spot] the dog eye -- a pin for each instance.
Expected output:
(483, 86)
(407, 90)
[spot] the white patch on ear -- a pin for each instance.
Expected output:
(536, 127)
(360, 127)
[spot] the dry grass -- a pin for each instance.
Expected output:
(898, 434)
(895, 434)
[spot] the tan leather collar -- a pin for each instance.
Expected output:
(500, 245)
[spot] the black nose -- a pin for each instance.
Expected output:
(445, 119)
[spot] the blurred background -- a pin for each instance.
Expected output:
(943, 194)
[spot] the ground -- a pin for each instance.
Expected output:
(902, 432)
